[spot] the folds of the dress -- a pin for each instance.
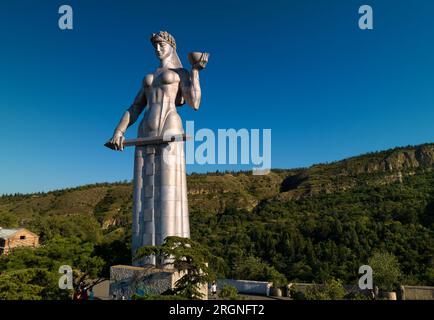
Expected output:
(160, 196)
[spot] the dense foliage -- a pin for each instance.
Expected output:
(34, 274)
(301, 225)
(328, 235)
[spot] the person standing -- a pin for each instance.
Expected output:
(84, 295)
(214, 289)
(91, 295)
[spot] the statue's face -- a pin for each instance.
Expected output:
(162, 50)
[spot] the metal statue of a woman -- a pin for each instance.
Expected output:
(160, 191)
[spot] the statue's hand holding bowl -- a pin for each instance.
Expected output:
(198, 60)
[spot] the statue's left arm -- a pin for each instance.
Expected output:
(190, 87)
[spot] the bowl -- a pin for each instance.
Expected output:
(194, 57)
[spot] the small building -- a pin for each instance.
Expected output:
(12, 238)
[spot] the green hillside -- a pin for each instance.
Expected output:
(305, 224)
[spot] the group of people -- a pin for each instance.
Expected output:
(83, 293)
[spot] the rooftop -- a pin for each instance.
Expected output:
(6, 233)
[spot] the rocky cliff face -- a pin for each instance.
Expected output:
(421, 157)
(373, 169)
(402, 160)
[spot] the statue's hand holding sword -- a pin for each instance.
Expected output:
(118, 142)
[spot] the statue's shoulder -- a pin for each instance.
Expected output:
(182, 72)
(148, 79)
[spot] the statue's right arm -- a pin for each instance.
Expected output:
(129, 118)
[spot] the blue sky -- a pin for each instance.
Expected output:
(327, 89)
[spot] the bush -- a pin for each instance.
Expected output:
(330, 290)
(296, 294)
(229, 292)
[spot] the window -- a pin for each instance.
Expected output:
(22, 237)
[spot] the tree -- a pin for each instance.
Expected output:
(186, 256)
(386, 271)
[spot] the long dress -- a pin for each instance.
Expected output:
(160, 206)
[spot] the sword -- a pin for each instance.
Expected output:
(150, 140)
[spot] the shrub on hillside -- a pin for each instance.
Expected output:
(330, 290)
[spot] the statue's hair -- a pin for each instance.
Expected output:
(163, 36)
(168, 38)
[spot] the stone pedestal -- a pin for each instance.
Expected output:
(125, 281)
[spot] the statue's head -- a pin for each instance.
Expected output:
(165, 47)
(163, 36)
